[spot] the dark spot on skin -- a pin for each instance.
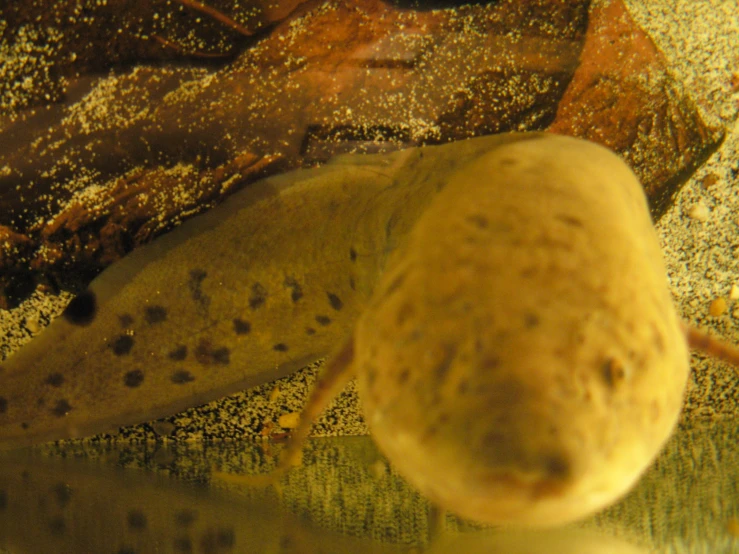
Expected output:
(463, 386)
(55, 379)
(3, 500)
(182, 544)
(323, 320)
(296, 290)
(241, 327)
(569, 220)
(155, 314)
(216, 540)
(226, 538)
(335, 301)
(61, 408)
(405, 312)
(62, 493)
(490, 363)
(195, 285)
(493, 440)
(197, 276)
(178, 354)
(280, 347)
(352, 254)
(25, 425)
(352, 285)
(613, 372)
(185, 518)
(659, 340)
(222, 355)
(122, 345)
(258, 296)
(403, 376)
(125, 320)
(57, 526)
(133, 378)
(310, 331)
(182, 377)
(82, 309)
(508, 161)
(395, 284)
(430, 431)
(557, 466)
(136, 520)
(478, 220)
(530, 320)
(528, 272)
(206, 354)
(442, 368)
(3, 404)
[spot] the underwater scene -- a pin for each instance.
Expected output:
(370, 276)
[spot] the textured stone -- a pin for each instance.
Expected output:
(129, 155)
(623, 97)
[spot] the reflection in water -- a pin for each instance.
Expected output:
(70, 505)
(343, 499)
(562, 541)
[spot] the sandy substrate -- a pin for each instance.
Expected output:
(699, 234)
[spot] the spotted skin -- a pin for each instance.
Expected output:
(517, 353)
(521, 361)
(251, 291)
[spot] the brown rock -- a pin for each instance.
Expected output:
(133, 153)
(69, 39)
(623, 96)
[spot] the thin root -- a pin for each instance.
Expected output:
(711, 346)
(333, 379)
(217, 15)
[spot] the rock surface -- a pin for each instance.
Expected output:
(110, 162)
(623, 97)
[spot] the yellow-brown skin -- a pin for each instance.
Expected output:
(256, 288)
(521, 361)
(519, 357)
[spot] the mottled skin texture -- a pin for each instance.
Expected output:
(521, 360)
(253, 290)
(248, 293)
